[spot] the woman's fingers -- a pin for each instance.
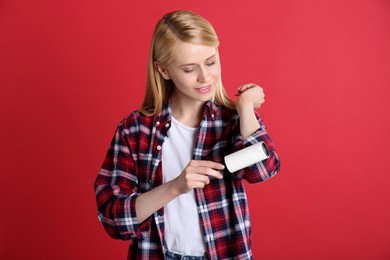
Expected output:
(209, 168)
(197, 174)
(245, 87)
(207, 164)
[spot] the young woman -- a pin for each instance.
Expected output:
(163, 185)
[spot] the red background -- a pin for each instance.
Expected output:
(71, 70)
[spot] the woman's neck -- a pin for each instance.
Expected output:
(187, 112)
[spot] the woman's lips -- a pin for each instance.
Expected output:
(204, 89)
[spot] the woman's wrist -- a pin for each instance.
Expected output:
(173, 188)
(244, 107)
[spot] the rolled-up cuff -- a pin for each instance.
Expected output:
(128, 225)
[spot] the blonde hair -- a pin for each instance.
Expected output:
(177, 26)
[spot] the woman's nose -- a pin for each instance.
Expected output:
(204, 75)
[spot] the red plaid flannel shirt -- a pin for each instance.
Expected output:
(133, 166)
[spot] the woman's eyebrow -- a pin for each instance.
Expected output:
(212, 56)
(192, 64)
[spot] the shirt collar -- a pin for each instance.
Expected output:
(165, 115)
(210, 110)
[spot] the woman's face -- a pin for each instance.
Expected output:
(195, 71)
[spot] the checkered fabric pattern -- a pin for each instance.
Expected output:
(133, 166)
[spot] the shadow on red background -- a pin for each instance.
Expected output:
(69, 71)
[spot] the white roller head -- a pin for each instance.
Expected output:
(246, 157)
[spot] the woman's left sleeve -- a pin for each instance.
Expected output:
(262, 170)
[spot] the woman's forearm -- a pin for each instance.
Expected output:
(149, 202)
(248, 120)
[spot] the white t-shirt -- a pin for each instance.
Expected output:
(183, 234)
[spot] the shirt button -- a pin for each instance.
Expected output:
(158, 147)
(157, 123)
(212, 115)
(167, 125)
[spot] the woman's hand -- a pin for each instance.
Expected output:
(249, 95)
(197, 174)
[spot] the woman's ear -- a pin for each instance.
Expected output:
(162, 70)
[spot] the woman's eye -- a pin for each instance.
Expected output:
(210, 63)
(189, 70)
